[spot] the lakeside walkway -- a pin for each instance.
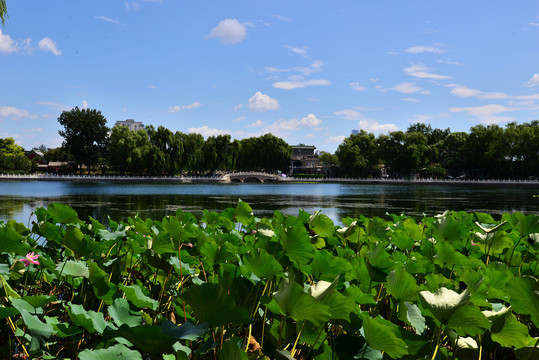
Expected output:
(254, 177)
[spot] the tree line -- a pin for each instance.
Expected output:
(161, 151)
(485, 152)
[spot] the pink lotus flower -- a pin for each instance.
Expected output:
(30, 259)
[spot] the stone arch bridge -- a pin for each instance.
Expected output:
(260, 177)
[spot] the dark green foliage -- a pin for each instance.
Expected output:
(233, 286)
(85, 134)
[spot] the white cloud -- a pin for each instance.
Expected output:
(309, 121)
(261, 102)
(349, 114)
(107, 19)
(419, 49)
(534, 80)
(337, 139)
(376, 127)
(206, 131)
(427, 118)
(356, 86)
(464, 91)
(177, 108)
(12, 112)
(315, 67)
(301, 51)
(229, 31)
(406, 88)
(238, 119)
(152, 86)
(258, 123)
(84, 104)
(420, 71)
(282, 18)
(33, 130)
(8, 45)
(55, 106)
(409, 99)
(373, 80)
(486, 114)
(298, 84)
(48, 45)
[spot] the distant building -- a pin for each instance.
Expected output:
(304, 160)
(131, 124)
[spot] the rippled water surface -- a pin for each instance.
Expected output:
(100, 200)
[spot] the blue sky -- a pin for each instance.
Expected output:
(308, 71)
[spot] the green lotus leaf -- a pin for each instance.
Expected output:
(212, 304)
(299, 305)
(38, 301)
(147, 338)
(414, 317)
(402, 285)
(524, 295)
(296, 242)
(63, 330)
(262, 264)
(495, 243)
(512, 332)
(322, 225)
(380, 335)
(90, 320)
(379, 257)
(326, 266)
(120, 312)
(186, 331)
(12, 242)
(444, 302)
(62, 213)
(244, 213)
(116, 352)
(103, 288)
(232, 350)
(73, 268)
(468, 320)
(137, 297)
(36, 326)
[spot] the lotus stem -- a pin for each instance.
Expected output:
(513, 251)
(437, 344)
(297, 339)
(249, 337)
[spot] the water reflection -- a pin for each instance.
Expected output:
(119, 201)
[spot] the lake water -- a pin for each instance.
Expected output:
(100, 199)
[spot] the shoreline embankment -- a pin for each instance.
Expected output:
(258, 177)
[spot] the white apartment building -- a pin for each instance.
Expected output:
(131, 124)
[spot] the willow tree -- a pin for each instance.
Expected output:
(3, 11)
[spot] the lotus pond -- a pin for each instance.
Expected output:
(230, 285)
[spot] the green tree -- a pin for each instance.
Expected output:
(85, 135)
(193, 145)
(328, 159)
(267, 152)
(10, 154)
(453, 153)
(358, 154)
(3, 11)
(128, 150)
